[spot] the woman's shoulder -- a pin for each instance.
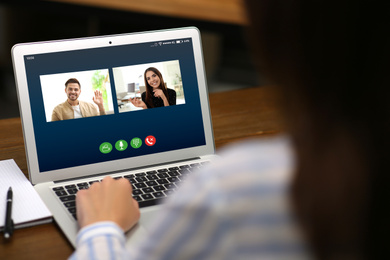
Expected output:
(171, 91)
(254, 163)
(264, 155)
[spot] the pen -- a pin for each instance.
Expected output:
(8, 226)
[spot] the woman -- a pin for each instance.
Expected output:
(329, 61)
(157, 94)
(321, 55)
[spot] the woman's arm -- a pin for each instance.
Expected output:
(172, 97)
(159, 93)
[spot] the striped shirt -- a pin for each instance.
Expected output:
(235, 208)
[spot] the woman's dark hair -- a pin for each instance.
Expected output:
(330, 63)
(149, 89)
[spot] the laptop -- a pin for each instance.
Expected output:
(156, 149)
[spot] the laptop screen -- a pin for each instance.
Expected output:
(147, 102)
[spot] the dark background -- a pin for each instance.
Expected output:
(227, 60)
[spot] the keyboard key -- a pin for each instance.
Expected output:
(151, 183)
(83, 188)
(173, 168)
(158, 194)
(147, 196)
(68, 198)
(162, 170)
(137, 192)
(163, 175)
(72, 191)
(72, 186)
(117, 177)
(160, 187)
(61, 193)
(83, 184)
(72, 210)
(70, 204)
(174, 173)
(184, 171)
(195, 165)
(152, 177)
(141, 179)
(129, 176)
(162, 181)
(58, 188)
(140, 174)
(170, 186)
(140, 185)
(147, 190)
(184, 167)
(92, 182)
(151, 172)
(173, 179)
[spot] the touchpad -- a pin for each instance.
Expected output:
(140, 231)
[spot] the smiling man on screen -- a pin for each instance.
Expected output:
(73, 108)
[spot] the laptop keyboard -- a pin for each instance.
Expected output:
(148, 187)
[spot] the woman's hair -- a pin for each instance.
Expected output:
(330, 63)
(149, 89)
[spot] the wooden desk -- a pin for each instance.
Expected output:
(223, 11)
(236, 115)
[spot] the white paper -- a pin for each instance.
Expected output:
(27, 205)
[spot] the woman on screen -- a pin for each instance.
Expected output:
(157, 94)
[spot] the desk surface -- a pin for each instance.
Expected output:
(236, 115)
(223, 11)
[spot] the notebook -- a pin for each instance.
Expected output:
(27, 208)
(74, 138)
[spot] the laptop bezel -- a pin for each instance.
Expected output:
(19, 51)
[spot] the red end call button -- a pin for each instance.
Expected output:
(150, 140)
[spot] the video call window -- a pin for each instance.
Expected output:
(91, 90)
(149, 85)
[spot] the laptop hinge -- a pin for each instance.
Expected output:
(126, 170)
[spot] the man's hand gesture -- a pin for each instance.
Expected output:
(98, 100)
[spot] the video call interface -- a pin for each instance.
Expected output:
(109, 103)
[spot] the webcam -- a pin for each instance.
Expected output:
(110, 42)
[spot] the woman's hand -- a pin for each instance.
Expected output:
(159, 93)
(109, 200)
(138, 103)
